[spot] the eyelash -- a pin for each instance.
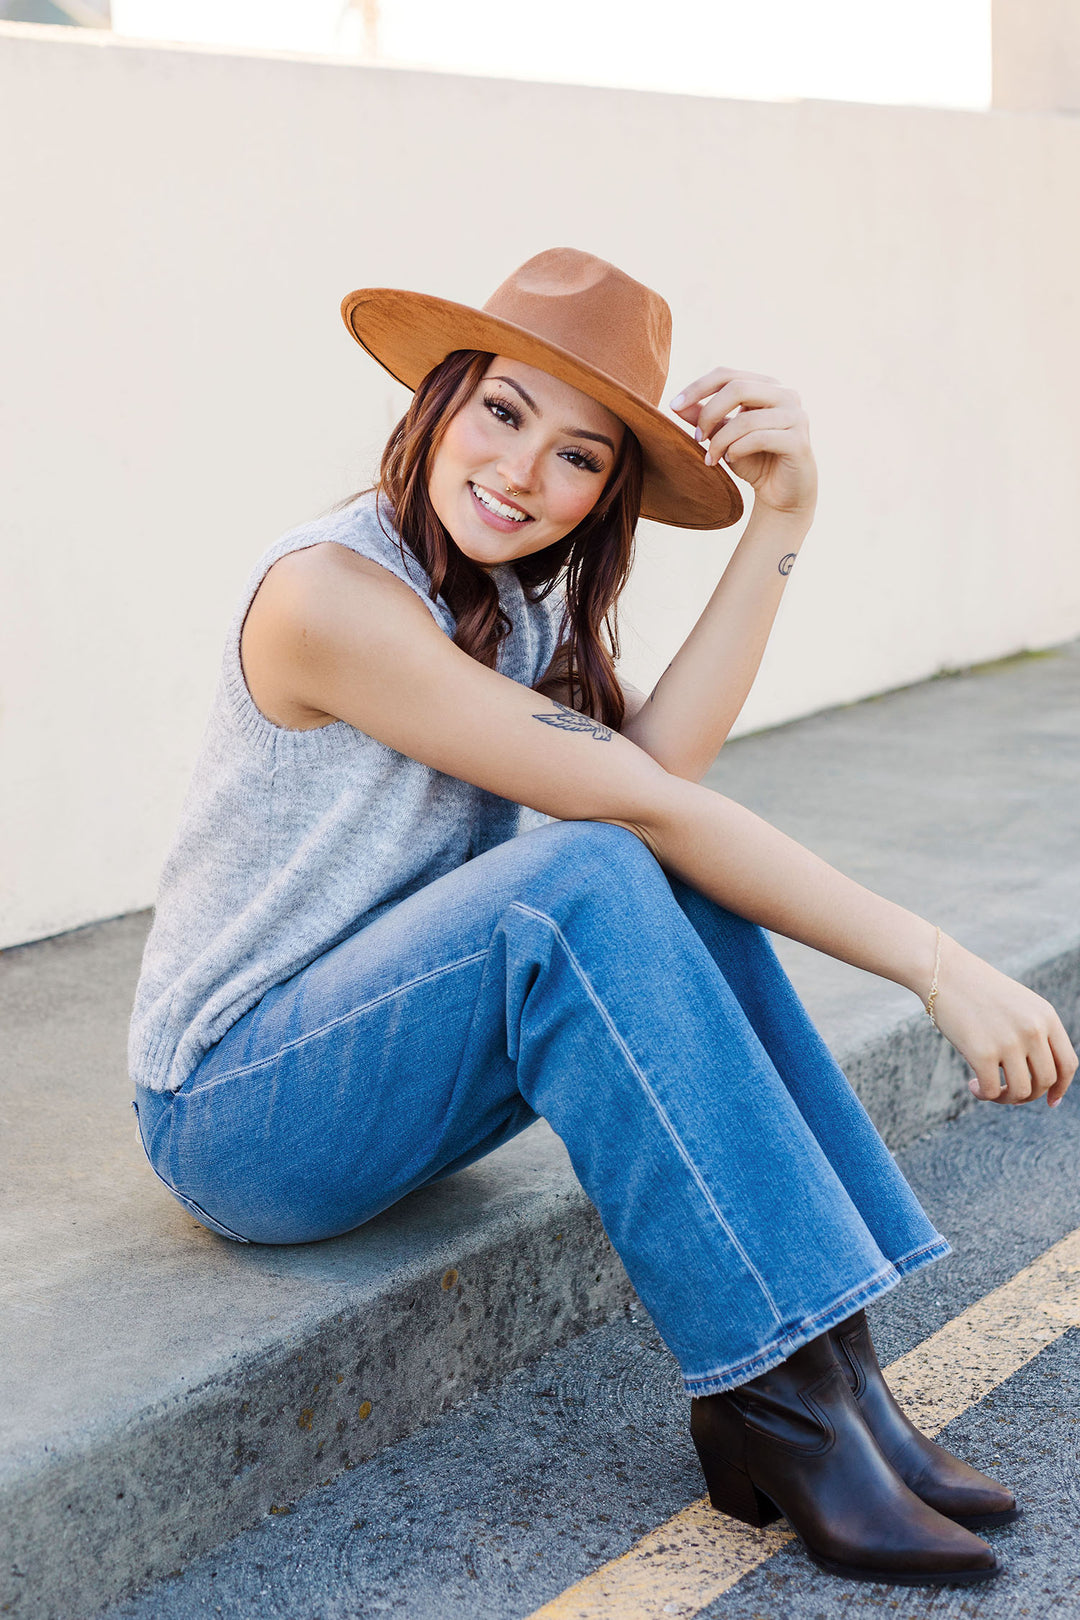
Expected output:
(494, 403)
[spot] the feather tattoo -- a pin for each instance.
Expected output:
(571, 720)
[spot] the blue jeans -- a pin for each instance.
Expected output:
(564, 974)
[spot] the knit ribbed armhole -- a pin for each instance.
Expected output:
(358, 528)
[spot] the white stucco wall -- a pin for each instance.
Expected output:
(178, 388)
(1036, 55)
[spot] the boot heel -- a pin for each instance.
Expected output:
(733, 1492)
(718, 1430)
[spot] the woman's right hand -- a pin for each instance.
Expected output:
(1001, 1027)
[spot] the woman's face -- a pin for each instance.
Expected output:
(523, 428)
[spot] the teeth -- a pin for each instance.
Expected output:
(497, 506)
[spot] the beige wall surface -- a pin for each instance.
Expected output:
(1036, 55)
(178, 388)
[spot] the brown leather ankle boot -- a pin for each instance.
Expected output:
(933, 1473)
(793, 1441)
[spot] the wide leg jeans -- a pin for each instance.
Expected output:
(563, 974)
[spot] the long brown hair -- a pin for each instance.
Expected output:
(596, 556)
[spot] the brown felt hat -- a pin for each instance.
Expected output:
(584, 321)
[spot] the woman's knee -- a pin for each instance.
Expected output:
(606, 853)
(610, 855)
(603, 836)
(601, 869)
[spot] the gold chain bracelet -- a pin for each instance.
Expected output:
(932, 997)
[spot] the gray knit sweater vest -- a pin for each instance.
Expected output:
(291, 840)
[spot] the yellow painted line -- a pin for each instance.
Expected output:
(680, 1568)
(676, 1570)
(975, 1352)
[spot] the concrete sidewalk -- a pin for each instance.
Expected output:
(165, 1388)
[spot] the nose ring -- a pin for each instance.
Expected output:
(511, 491)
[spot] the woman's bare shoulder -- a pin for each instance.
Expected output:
(325, 562)
(291, 591)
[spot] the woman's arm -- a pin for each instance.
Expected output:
(635, 701)
(686, 719)
(353, 642)
(762, 431)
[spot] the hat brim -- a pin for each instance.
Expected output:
(408, 333)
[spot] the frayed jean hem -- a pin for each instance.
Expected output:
(720, 1379)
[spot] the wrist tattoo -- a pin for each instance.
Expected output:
(787, 563)
(571, 720)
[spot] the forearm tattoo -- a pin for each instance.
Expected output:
(787, 563)
(571, 720)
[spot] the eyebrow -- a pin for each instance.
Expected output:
(574, 432)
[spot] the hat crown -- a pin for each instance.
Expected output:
(593, 310)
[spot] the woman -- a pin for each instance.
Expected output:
(375, 956)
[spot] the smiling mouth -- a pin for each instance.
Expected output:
(499, 509)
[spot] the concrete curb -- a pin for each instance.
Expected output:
(94, 1515)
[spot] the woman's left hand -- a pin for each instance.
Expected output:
(766, 441)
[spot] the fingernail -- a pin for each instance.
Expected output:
(973, 1087)
(698, 435)
(680, 399)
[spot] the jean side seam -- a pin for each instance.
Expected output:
(838, 1310)
(343, 1018)
(658, 1107)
